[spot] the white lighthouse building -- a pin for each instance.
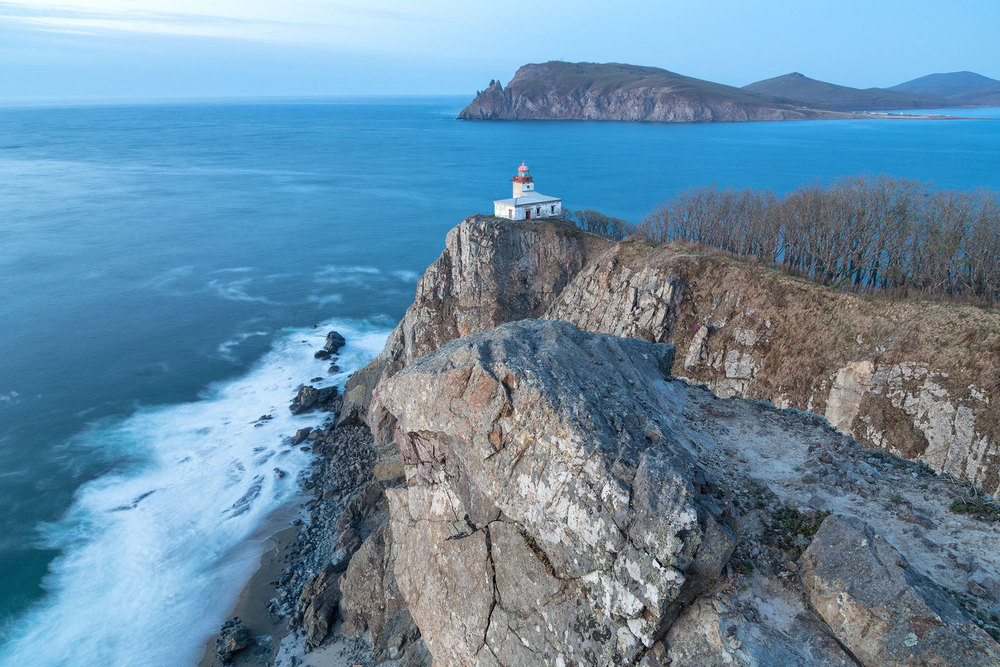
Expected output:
(526, 204)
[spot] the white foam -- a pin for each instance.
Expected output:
(234, 291)
(225, 349)
(406, 276)
(154, 555)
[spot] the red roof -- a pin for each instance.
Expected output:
(523, 167)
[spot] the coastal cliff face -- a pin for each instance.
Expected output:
(593, 91)
(917, 379)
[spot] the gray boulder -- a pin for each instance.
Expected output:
(233, 638)
(334, 341)
(549, 514)
(310, 398)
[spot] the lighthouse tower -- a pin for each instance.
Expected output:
(526, 203)
(523, 182)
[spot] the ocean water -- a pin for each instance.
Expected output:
(162, 268)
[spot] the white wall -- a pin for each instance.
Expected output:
(537, 211)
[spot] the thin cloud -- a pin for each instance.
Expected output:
(295, 21)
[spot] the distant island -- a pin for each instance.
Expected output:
(613, 91)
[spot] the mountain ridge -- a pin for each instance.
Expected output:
(796, 86)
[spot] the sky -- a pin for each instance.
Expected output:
(161, 49)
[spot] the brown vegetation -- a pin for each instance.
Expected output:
(860, 233)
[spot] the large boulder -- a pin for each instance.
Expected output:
(334, 341)
(310, 398)
(549, 513)
(882, 610)
(233, 638)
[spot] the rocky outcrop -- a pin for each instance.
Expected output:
(613, 91)
(566, 501)
(489, 273)
(917, 379)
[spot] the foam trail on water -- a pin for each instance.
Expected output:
(154, 555)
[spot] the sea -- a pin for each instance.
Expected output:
(168, 269)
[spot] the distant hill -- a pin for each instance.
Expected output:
(954, 85)
(613, 91)
(799, 87)
(989, 97)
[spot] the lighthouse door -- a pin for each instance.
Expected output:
(527, 214)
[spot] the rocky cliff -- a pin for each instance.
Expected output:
(540, 487)
(564, 501)
(613, 91)
(918, 379)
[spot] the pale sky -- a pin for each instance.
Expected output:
(71, 49)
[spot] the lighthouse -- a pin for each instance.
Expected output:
(526, 204)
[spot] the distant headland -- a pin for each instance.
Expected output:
(613, 91)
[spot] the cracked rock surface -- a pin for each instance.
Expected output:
(546, 501)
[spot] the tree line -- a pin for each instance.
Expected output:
(861, 233)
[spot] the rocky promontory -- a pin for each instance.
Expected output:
(561, 458)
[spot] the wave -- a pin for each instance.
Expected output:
(153, 555)
(225, 349)
(233, 291)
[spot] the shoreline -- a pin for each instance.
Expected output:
(282, 622)
(251, 607)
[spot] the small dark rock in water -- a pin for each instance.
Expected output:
(243, 504)
(322, 354)
(264, 418)
(334, 368)
(310, 398)
(301, 435)
(280, 473)
(316, 379)
(334, 341)
(233, 637)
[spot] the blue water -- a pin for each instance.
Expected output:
(162, 266)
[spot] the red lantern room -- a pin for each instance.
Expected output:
(523, 175)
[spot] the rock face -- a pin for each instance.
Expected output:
(917, 379)
(489, 273)
(545, 500)
(882, 610)
(613, 91)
